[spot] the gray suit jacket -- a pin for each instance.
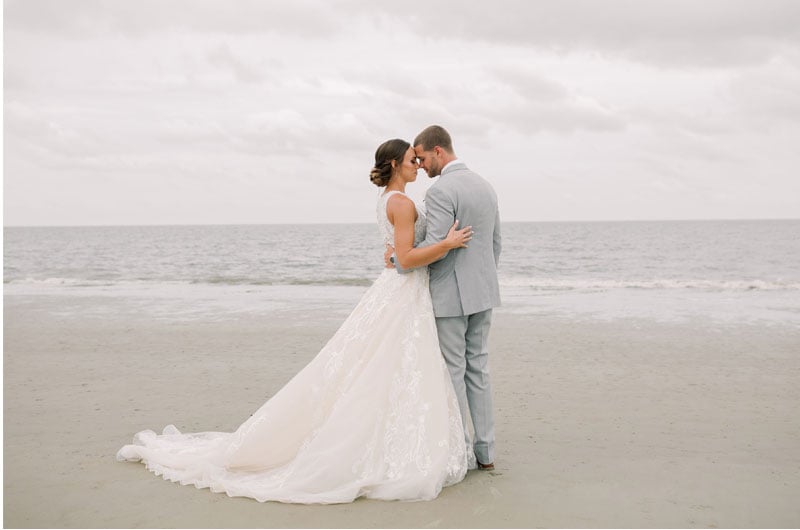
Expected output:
(464, 281)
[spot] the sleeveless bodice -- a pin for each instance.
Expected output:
(387, 229)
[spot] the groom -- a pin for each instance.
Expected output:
(463, 284)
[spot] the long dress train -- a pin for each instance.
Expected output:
(374, 414)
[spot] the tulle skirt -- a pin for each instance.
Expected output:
(374, 414)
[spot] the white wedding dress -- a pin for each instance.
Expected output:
(374, 414)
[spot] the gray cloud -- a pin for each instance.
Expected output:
(590, 109)
(711, 33)
(539, 104)
(222, 56)
(310, 18)
(769, 97)
(529, 84)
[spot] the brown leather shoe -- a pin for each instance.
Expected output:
(487, 467)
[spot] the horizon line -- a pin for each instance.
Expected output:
(366, 223)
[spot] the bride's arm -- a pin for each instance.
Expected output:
(402, 214)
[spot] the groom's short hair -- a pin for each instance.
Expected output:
(433, 136)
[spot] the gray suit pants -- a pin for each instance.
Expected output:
(464, 344)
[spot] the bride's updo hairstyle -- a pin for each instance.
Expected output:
(389, 150)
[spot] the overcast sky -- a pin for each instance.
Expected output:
(212, 111)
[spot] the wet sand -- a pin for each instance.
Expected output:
(619, 423)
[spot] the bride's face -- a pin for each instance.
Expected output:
(408, 169)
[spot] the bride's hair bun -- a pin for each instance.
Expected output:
(381, 173)
(390, 150)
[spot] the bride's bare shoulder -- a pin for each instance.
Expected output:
(400, 208)
(399, 201)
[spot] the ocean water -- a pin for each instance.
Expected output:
(731, 271)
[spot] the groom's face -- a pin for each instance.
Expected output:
(428, 160)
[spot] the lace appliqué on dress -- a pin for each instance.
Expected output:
(374, 414)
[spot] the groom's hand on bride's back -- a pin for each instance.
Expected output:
(390, 260)
(387, 256)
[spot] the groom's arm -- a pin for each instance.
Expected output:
(390, 257)
(441, 216)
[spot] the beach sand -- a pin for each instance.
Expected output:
(618, 423)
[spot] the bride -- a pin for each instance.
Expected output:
(373, 415)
